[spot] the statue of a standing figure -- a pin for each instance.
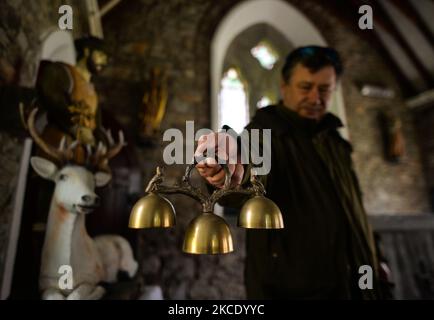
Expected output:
(68, 96)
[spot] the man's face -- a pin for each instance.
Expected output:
(309, 94)
(96, 61)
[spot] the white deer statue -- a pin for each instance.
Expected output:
(67, 243)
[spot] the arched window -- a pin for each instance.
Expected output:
(263, 102)
(233, 104)
(265, 54)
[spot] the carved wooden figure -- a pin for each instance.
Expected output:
(92, 260)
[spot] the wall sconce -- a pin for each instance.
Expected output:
(207, 233)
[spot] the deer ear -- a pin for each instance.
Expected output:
(102, 178)
(45, 168)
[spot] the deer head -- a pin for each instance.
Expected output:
(81, 169)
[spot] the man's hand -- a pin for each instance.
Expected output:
(224, 146)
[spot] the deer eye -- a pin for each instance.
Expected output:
(63, 177)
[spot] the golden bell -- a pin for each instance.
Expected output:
(152, 211)
(260, 213)
(208, 234)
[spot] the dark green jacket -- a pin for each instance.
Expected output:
(326, 236)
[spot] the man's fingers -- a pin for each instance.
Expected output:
(216, 176)
(227, 147)
(208, 163)
(218, 144)
(222, 154)
(208, 172)
(201, 165)
(205, 143)
(211, 162)
(231, 168)
(202, 171)
(238, 175)
(218, 179)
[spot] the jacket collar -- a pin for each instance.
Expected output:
(290, 120)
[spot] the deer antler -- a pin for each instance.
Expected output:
(115, 149)
(64, 153)
(59, 154)
(104, 154)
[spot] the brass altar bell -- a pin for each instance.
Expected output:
(207, 233)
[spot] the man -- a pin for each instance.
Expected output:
(326, 236)
(68, 96)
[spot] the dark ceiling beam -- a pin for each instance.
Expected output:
(382, 16)
(411, 13)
